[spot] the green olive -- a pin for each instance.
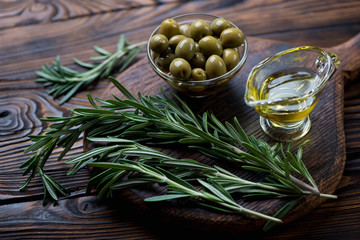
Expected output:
(231, 58)
(174, 40)
(215, 66)
(198, 74)
(199, 29)
(185, 49)
(159, 43)
(180, 68)
(232, 38)
(169, 27)
(219, 25)
(210, 45)
(163, 61)
(185, 30)
(197, 48)
(198, 60)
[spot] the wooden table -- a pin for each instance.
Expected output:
(32, 33)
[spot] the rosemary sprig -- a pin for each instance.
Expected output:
(215, 181)
(66, 82)
(175, 180)
(213, 193)
(159, 120)
(183, 167)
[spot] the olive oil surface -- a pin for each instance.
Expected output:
(292, 87)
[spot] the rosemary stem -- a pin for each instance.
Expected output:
(234, 206)
(255, 184)
(328, 196)
(251, 212)
(240, 209)
(305, 185)
(100, 67)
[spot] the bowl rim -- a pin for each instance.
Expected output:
(210, 81)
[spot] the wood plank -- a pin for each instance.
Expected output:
(82, 217)
(20, 13)
(26, 45)
(88, 217)
(28, 12)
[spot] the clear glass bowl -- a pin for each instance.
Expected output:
(200, 88)
(285, 88)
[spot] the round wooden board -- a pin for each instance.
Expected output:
(324, 155)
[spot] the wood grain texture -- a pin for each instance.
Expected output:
(29, 12)
(81, 217)
(297, 22)
(34, 32)
(87, 217)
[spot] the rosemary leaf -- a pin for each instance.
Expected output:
(217, 190)
(90, 154)
(132, 183)
(165, 197)
(281, 213)
(187, 163)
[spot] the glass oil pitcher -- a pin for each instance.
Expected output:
(285, 88)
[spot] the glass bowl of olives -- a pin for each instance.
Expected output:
(197, 53)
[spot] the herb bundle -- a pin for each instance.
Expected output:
(177, 182)
(126, 125)
(66, 82)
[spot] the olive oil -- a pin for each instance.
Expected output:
(288, 95)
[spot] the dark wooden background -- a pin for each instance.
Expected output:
(33, 32)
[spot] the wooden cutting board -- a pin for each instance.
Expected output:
(324, 155)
